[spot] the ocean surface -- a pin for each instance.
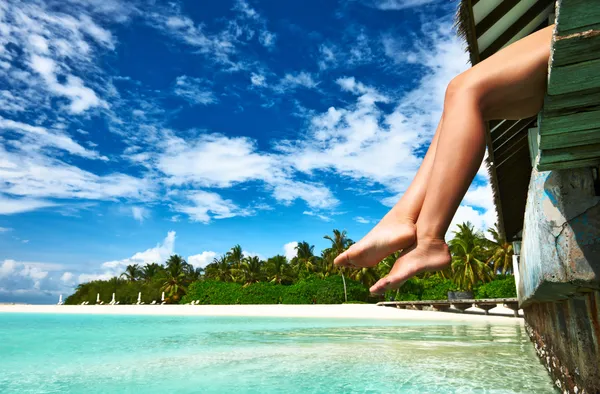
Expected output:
(194, 354)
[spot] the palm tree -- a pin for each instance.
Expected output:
(278, 270)
(132, 272)
(366, 276)
(235, 256)
(468, 257)
(175, 284)
(501, 252)
(219, 269)
(339, 243)
(250, 271)
(305, 259)
(149, 271)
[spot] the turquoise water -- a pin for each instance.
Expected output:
(166, 354)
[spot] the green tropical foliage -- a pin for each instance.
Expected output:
(501, 252)
(469, 257)
(476, 260)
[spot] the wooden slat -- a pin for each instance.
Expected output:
(571, 102)
(567, 165)
(577, 15)
(568, 79)
(513, 30)
(566, 124)
(570, 154)
(573, 138)
(515, 145)
(576, 48)
(494, 16)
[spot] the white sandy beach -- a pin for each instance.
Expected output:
(500, 315)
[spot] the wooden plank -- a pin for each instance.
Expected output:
(568, 123)
(575, 101)
(576, 15)
(575, 77)
(494, 16)
(574, 138)
(570, 154)
(576, 48)
(567, 165)
(515, 28)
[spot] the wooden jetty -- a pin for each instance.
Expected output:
(461, 305)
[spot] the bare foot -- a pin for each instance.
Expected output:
(390, 235)
(424, 255)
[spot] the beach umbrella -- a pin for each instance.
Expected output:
(139, 297)
(98, 298)
(113, 299)
(60, 300)
(162, 298)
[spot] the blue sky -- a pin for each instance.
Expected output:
(133, 130)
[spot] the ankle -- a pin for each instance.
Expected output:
(401, 217)
(431, 242)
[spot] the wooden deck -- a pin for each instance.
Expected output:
(462, 305)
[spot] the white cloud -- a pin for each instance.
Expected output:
(396, 5)
(194, 90)
(202, 260)
(67, 277)
(289, 250)
(481, 221)
(361, 220)
(35, 176)
(36, 136)
(318, 215)
(258, 79)
(5, 229)
(267, 39)
(293, 81)
(215, 161)
(9, 206)
(206, 206)
(82, 97)
(19, 276)
(140, 213)
(158, 254)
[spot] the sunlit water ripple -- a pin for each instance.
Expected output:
(158, 354)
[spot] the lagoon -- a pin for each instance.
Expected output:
(56, 353)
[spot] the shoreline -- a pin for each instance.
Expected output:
(342, 311)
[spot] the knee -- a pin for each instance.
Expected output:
(463, 90)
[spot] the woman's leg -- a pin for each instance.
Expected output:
(397, 229)
(510, 84)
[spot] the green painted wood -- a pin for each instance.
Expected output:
(567, 165)
(575, 77)
(567, 103)
(569, 123)
(576, 48)
(570, 154)
(576, 15)
(573, 138)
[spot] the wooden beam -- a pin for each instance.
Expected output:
(568, 103)
(493, 17)
(576, 48)
(515, 28)
(566, 124)
(577, 15)
(573, 138)
(570, 154)
(575, 77)
(567, 165)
